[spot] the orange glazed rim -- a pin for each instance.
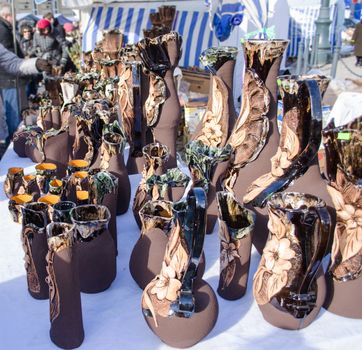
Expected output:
(22, 198)
(15, 170)
(56, 183)
(49, 199)
(81, 174)
(82, 195)
(78, 163)
(46, 166)
(29, 177)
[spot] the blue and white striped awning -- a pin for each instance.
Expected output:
(191, 23)
(302, 26)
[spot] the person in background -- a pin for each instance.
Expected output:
(13, 66)
(26, 44)
(57, 28)
(357, 40)
(47, 46)
(11, 89)
(26, 39)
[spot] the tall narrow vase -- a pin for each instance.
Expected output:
(66, 330)
(161, 56)
(344, 172)
(35, 220)
(95, 246)
(254, 138)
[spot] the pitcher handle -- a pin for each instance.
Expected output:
(195, 230)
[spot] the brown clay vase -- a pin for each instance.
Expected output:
(44, 120)
(45, 173)
(95, 248)
(61, 211)
(161, 56)
(220, 61)
(133, 82)
(344, 172)
(202, 161)
(111, 159)
(66, 330)
(103, 189)
(255, 137)
(30, 186)
(294, 167)
(155, 156)
(13, 181)
(16, 203)
(148, 252)
(180, 308)
(236, 226)
(289, 285)
(35, 219)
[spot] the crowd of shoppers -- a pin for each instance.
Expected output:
(22, 62)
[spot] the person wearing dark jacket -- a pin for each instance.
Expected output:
(11, 89)
(26, 40)
(14, 66)
(46, 46)
(57, 28)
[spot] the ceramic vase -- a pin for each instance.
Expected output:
(236, 227)
(35, 219)
(344, 172)
(95, 248)
(66, 322)
(161, 56)
(13, 181)
(155, 156)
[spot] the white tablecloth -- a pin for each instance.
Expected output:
(113, 319)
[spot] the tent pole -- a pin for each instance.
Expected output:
(16, 53)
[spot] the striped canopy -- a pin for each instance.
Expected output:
(191, 22)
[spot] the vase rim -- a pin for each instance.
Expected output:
(279, 201)
(107, 214)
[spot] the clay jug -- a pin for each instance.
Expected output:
(35, 220)
(289, 285)
(45, 173)
(95, 247)
(236, 226)
(66, 329)
(294, 167)
(180, 308)
(61, 212)
(344, 172)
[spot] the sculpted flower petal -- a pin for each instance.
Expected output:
(282, 265)
(172, 290)
(284, 249)
(269, 260)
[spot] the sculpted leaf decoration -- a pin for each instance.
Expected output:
(163, 289)
(288, 150)
(156, 98)
(278, 254)
(346, 253)
(215, 121)
(31, 273)
(125, 99)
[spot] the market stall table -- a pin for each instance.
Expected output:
(113, 319)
